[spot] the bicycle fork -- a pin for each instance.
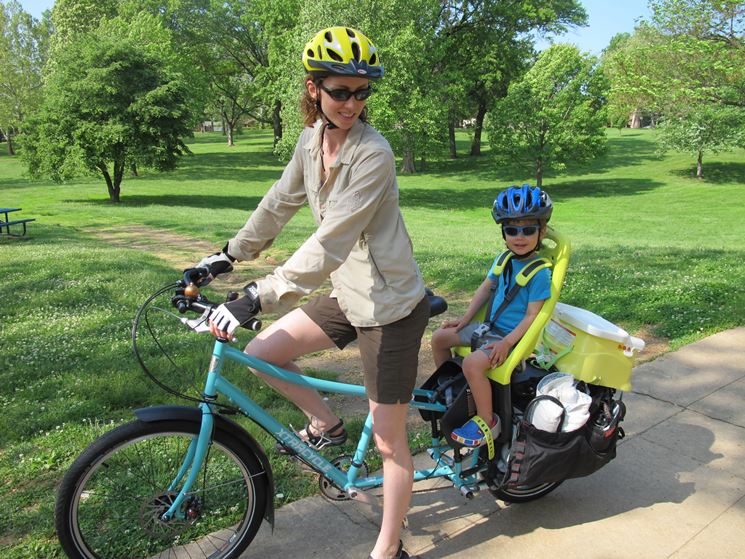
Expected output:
(199, 445)
(193, 460)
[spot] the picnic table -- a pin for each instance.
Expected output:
(5, 224)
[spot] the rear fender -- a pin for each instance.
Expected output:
(194, 415)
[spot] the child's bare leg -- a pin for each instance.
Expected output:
(442, 341)
(475, 366)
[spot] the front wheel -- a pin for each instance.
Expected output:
(111, 500)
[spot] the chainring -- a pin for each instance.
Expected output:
(329, 489)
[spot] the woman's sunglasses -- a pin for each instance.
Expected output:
(514, 230)
(345, 94)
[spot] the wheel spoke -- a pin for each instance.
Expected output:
(116, 502)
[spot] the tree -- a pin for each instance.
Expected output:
(706, 128)
(109, 104)
(485, 45)
(24, 43)
(231, 44)
(705, 49)
(408, 106)
(554, 115)
(637, 68)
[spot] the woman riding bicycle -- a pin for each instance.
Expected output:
(345, 171)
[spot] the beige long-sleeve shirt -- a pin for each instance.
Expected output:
(361, 242)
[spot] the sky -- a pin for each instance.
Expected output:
(607, 17)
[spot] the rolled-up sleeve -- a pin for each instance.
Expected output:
(279, 204)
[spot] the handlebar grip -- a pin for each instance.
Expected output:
(253, 324)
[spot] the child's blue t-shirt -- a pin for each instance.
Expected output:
(538, 289)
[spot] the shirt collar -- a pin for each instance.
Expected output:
(347, 149)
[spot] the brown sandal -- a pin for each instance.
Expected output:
(319, 441)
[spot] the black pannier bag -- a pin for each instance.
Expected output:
(450, 389)
(538, 457)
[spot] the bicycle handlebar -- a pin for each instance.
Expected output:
(189, 298)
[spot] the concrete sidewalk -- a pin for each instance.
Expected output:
(675, 490)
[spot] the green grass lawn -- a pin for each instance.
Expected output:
(655, 251)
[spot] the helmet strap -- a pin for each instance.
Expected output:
(329, 125)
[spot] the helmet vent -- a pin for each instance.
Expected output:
(310, 53)
(329, 36)
(356, 51)
(373, 59)
(351, 33)
(335, 55)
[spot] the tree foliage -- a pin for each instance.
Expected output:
(703, 129)
(704, 44)
(24, 43)
(484, 45)
(555, 114)
(637, 69)
(687, 65)
(109, 104)
(444, 61)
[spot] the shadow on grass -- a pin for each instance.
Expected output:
(237, 166)
(631, 148)
(474, 198)
(716, 173)
(202, 201)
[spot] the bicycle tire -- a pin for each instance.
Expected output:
(524, 494)
(110, 501)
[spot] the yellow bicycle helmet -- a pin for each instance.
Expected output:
(342, 51)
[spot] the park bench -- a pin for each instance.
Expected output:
(7, 222)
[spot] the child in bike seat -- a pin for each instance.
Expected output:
(522, 212)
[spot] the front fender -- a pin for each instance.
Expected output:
(194, 415)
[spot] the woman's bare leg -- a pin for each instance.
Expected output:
(389, 429)
(290, 337)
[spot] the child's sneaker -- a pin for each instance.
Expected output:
(471, 434)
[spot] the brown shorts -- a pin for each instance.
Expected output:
(390, 353)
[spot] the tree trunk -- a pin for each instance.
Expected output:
(539, 173)
(113, 188)
(478, 126)
(635, 119)
(407, 164)
(229, 129)
(451, 137)
(277, 121)
(700, 165)
(133, 169)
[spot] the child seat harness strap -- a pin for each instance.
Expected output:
(503, 265)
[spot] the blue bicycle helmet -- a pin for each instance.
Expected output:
(521, 202)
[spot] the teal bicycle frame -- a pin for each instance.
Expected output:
(349, 481)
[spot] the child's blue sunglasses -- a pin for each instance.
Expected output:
(515, 230)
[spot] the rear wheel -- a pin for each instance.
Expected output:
(522, 494)
(111, 500)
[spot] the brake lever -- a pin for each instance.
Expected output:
(200, 324)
